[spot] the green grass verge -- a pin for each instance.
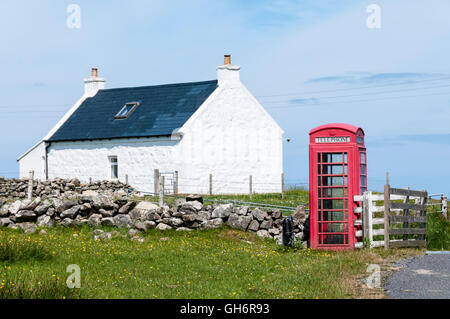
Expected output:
(438, 232)
(221, 263)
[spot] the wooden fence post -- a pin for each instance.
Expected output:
(30, 185)
(250, 191)
(210, 184)
(387, 211)
(282, 185)
(90, 180)
(175, 184)
(444, 207)
(126, 179)
(423, 212)
(406, 213)
(366, 219)
(156, 181)
(161, 191)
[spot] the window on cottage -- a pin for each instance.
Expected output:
(127, 110)
(114, 167)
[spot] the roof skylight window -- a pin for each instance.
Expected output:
(127, 110)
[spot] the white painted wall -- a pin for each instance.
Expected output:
(34, 160)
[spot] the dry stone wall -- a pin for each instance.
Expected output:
(59, 188)
(96, 210)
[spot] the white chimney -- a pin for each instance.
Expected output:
(228, 73)
(93, 83)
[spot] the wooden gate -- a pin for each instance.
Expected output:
(398, 215)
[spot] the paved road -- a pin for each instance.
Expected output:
(424, 277)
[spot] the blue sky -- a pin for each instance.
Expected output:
(307, 62)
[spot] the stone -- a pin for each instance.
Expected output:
(103, 236)
(175, 222)
(149, 224)
(95, 220)
(66, 222)
(4, 210)
(42, 209)
(178, 203)
(146, 206)
(108, 221)
(189, 217)
(263, 234)
(13, 226)
(183, 229)
(106, 213)
(89, 193)
(25, 216)
(65, 205)
(274, 231)
(125, 209)
(50, 212)
(85, 209)
(70, 213)
(103, 202)
(152, 215)
(28, 228)
(4, 222)
(243, 210)
(44, 221)
(42, 232)
(133, 232)
(266, 224)
(203, 216)
(258, 214)
(300, 214)
(123, 221)
(222, 211)
(212, 223)
(299, 236)
(141, 226)
(276, 214)
(162, 226)
(191, 207)
(239, 222)
(193, 198)
(254, 225)
(15, 207)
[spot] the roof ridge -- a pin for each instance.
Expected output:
(161, 85)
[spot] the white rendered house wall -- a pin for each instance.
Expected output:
(34, 160)
(232, 137)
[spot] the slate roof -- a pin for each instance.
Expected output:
(162, 109)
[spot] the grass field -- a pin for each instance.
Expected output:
(220, 263)
(292, 198)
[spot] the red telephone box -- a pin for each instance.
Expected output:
(337, 172)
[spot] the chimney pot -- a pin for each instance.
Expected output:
(94, 72)
(227, 59)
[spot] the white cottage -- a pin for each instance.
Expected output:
(199, 130)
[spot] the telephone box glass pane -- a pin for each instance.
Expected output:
(363, 157)
(363, 180)
(363, 169)
(333, 192)
(332, 169)
(331, 157)
(331, 216)
(332, 181)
